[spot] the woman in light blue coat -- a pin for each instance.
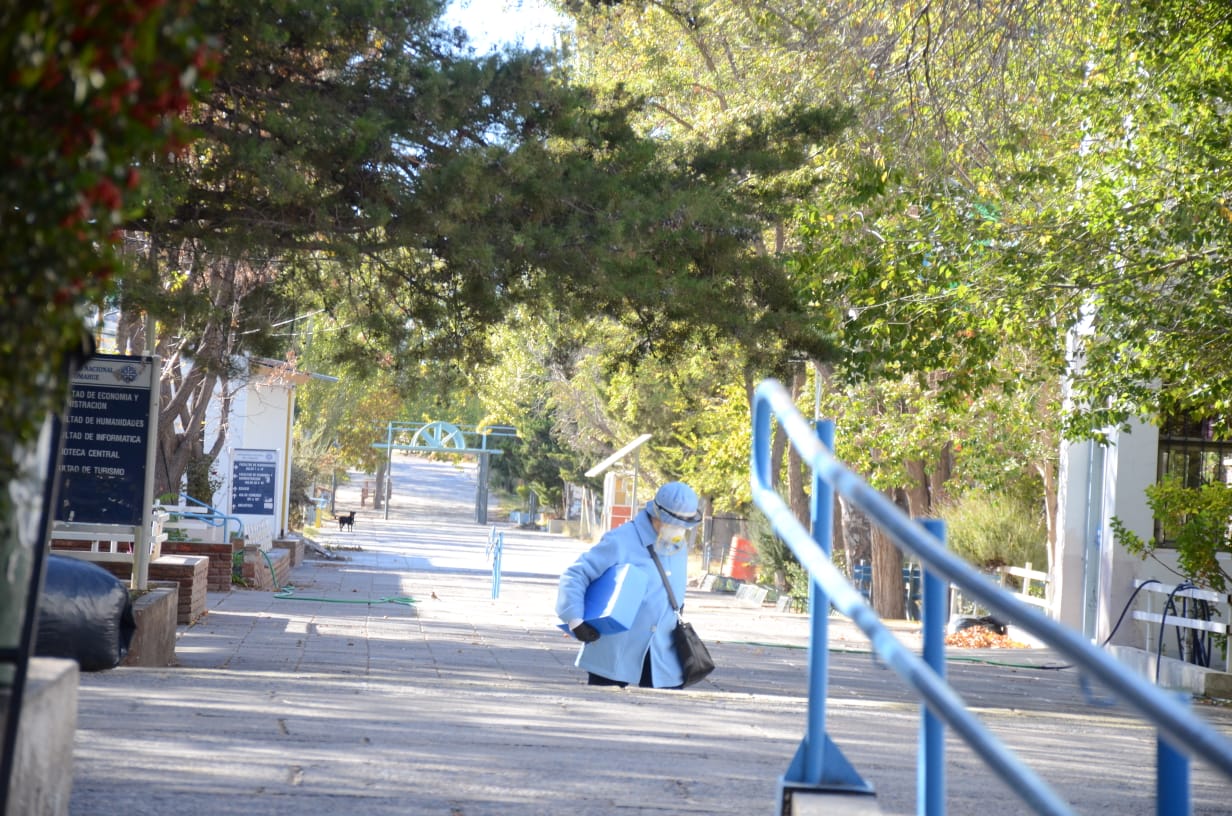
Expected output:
(644, 654)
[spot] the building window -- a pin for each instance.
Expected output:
(1188, 452)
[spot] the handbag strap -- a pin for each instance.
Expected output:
(671, 596)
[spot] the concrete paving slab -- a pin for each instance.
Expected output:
(340, 702)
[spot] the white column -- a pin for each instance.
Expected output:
(1130, 467)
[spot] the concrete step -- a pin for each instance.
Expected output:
(826, 803)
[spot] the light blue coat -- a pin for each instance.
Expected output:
(620, 656)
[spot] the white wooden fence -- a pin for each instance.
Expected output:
(1028, 580)
(1157, 595)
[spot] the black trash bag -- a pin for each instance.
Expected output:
(995, 625)
(84, 614)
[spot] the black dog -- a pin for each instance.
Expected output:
(346, 521)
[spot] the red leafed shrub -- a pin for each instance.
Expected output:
(91, 89)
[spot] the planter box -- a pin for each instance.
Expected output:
(189, 571)
(156, 611)
(294, 548)
(42, 780)
(258, 565)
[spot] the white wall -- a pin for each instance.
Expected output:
(259, 419)
(1131, 467)
(264, 418)
(1078, 511)
(1094, 574)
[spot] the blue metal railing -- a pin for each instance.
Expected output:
(496, 544)
(818, 764)
(209, 515)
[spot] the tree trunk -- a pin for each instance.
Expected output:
(857, 534)
(778, 447)
(379, 491)
(1048, 473)
(940, 475)
(919, 497)
(797, 496)
(888, 599)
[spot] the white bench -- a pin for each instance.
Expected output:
(107, 542)
(112, 544)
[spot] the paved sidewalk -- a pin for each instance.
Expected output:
(342, 701)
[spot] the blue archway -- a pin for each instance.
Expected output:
(445, 437)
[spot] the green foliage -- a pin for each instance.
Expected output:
(997, 529)
(1193, 520)
(1145, 239)
(300, 489)
(543, 464)
(774, 557)
(576, 376)
(203, 480)
(798, 586)
(91, 91)
(749, 126)
(337, 423)
(417, 194)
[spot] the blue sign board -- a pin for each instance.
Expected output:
(254, 474)
(102, 471)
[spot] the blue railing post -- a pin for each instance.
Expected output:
(931, 770)
(822, 513)
(819, 765)
(1172, 793)
(496, 543)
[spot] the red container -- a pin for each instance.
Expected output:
(743, 560)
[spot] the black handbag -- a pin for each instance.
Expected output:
(692, 653)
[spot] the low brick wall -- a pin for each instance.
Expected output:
(220, 555)
(294, 548)
(189, 571)
(192, 573)
(257, 568)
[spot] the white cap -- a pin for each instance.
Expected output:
(676, 503)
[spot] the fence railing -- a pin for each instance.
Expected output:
(1175, 611)
(1032, 589)
(819, 766)
(198, 510)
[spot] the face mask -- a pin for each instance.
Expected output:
(672, 539)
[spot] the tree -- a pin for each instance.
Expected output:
(362, 138)
(1195, 521)
(577, 378)
(712, 74)
(1152, 204)
(92, 90)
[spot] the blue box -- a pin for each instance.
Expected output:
(612, 599)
